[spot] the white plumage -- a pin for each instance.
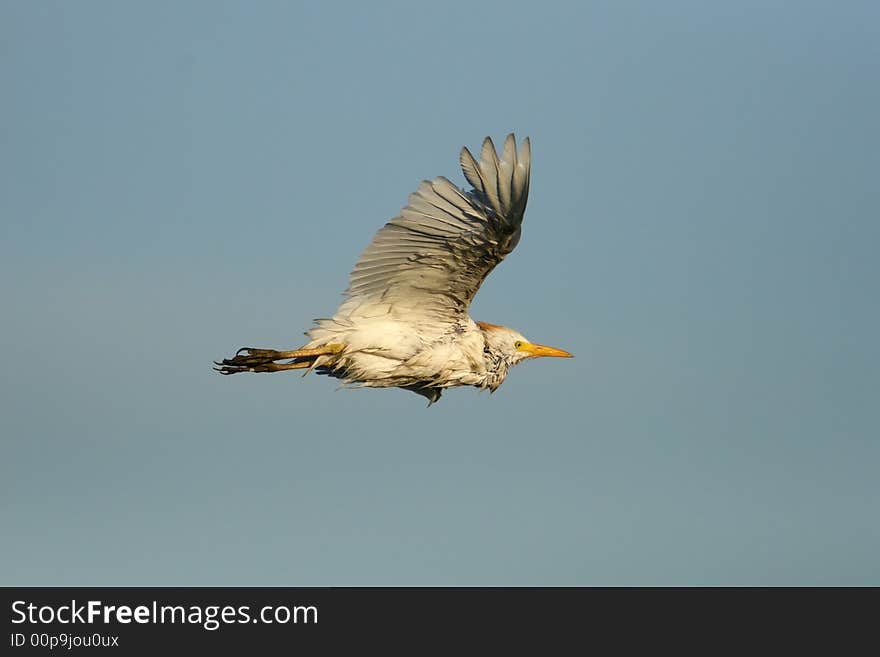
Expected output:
(404, 320)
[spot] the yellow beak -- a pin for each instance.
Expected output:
(541, 350)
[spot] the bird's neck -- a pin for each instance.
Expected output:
(496, 366)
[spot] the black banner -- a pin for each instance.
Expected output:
(148, 620)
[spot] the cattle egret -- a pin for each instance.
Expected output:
(404, 321)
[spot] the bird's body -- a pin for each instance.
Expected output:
(422, 362)
(404, 322)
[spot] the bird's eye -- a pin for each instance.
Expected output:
(517, 344)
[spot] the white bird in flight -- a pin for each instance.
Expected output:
(404, 322)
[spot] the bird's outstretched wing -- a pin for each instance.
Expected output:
(433, 257)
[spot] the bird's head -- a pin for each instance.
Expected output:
(513, 347)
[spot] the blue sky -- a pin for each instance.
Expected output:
(181, 179)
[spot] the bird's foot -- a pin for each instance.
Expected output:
(250, 359)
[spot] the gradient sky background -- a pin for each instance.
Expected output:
(181, 179)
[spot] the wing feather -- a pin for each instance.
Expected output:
(489, 172)
(433, 257)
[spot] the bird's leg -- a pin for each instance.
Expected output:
(249, 359)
